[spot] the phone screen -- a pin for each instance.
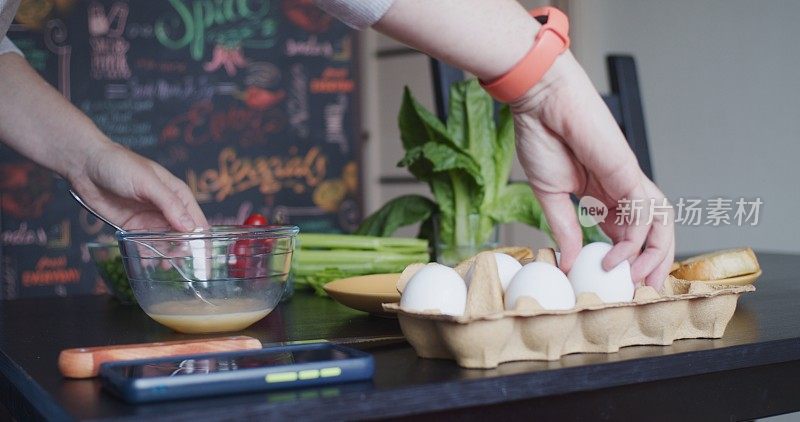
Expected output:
(207, 366)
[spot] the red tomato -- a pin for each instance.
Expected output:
(249, 252)
(251, 258)
(255, 219)
(241, 249)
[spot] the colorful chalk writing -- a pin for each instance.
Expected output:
(194, 23)
(333, 80)
(334, 123)
(311, 47)
(203, 124)
(251, 102)
(109, 50)
(270, 174)
(51, 270)
(297, 102)
(24, 236)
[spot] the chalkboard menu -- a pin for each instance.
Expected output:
(251, 102)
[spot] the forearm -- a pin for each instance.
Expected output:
(41, 124)
(485, 38)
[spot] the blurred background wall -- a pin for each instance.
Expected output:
(721, 94)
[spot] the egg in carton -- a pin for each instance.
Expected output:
(487, 334)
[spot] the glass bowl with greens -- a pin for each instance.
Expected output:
(221, 279)
(108, 260)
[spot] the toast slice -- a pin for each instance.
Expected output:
(718, 265)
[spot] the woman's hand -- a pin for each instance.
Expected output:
(129, 189)
(568, 143)
(134, 192)
(567, 140)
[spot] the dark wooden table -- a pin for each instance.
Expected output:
(751, 372)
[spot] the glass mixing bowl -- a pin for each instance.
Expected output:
(222, 279)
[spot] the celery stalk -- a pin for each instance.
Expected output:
(348, 241)
(321, 258)
(335, 257)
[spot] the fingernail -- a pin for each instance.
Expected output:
(187, 222)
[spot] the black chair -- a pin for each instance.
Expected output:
(624, 101)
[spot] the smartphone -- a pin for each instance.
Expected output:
(178, 377)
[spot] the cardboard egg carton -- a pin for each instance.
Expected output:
(487, 334)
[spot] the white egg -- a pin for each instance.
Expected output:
(435, 287)
(587, 275)
(543, 282)
(507, 267)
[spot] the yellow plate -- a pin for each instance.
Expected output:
(741, 280)
(365, 293)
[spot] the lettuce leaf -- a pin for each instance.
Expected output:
(466, 162)
(399, 212)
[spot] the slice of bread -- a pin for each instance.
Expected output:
(718, 265)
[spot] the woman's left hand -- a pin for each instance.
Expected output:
(569, 143)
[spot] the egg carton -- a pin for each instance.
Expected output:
(487, 334)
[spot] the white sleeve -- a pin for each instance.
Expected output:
(6, 46)
(358, 14)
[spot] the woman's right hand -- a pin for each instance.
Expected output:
(569, 143)
(134, 192)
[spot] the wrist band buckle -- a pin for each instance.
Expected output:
(552, 23)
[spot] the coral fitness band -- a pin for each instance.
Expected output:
(551, 40)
